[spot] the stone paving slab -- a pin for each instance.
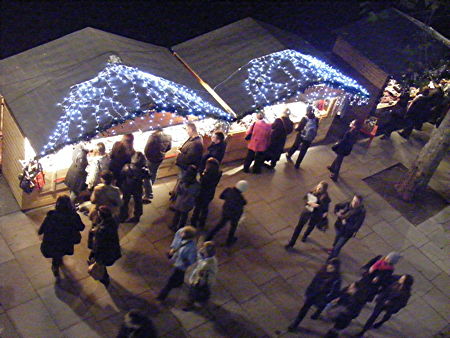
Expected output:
(260, 286)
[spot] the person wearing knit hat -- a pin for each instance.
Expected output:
(232, 211)
(378, 272)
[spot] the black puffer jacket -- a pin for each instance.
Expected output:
(354, 218)
(234, 203)
(106, 246)
(76, 176)
(345, 145)
(61, 231)
(208, 184)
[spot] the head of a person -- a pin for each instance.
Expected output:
(100, 148)
(392, 257)
(333, 265)
(158, 130)
(322, 187)
(217, 137)
(356, 201)
(242, 186)
(104, 212)
(310, 112)
(191, 129)
(353, 288)
(106, 177)
(190, 174)
(406, 281)
(119, 149)
(64, 204)
(212, 165)
(128, 140)
(286, 113)
(188, 232)
(208, 249)
(260, 115)
(138, 159)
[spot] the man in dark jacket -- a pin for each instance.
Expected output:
(191, 151)
(216, 149)
(232, 211)
(417, 113)
(76, 176)
(305, 136)
(281, 128)
(158, 144)
(351, 216)
(343, 148)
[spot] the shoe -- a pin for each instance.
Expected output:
(134, 219)
(231, 241)
(304, 239)
(296, 166)
(288, 247)
(334, 177)
(246, 170)
(314, 316)
(329, 168)
(377, 325)
(292, 328)
(146, 201)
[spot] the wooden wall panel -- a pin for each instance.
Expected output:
(360, 63)
(13, 151)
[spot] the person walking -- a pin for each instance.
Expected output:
(121, 153)
(378, 273)
(215, 150)
(323, 288)
(343, 148)
(281, 128)
(186, 194)
(105, 242)
(99, 162)
(209, 179)
(317, 202)
(158, 144)
(259, 136)
(137, 325)
(183, 253)
(61, 231)
(133, 175)
(349, 304)
(350, 217)
(76, 175)
(232, 210)
(106, 194)
(203, 276)
(391, 300)
(306, 135)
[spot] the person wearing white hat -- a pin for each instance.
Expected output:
(231, 212)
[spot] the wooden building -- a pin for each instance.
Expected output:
(36, 83)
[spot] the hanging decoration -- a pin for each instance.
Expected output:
(276, 77)
(120, 93)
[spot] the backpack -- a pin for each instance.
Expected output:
(310, 130)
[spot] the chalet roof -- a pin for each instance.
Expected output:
(224, 57)
(37, 82)
(396, 42)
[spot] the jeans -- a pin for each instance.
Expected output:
(148, 182)
(137, 204)
(175, 281)
(303, 149)
(304, 218)
(258, 157)
(223, 221)
(179, 219)
(336, 165)
(339, 242)
(200, 214)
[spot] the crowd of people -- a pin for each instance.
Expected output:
(111, 180)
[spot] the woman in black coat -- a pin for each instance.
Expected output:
(391, 300)
(76, 175)
(209, 179)
(343, 148)
(281, 128)
(106, 246)
(61, 229)
(314, 212)
(323, 288)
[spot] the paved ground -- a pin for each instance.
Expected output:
(260, 286)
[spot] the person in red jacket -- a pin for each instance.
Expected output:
(259, 136)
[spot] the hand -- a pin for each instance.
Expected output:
(325, 214)
(344, 221)
(178, 151)
(312, 204)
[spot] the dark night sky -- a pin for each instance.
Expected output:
(27, 24)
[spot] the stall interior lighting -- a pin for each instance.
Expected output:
(117, 94)
(276, 77)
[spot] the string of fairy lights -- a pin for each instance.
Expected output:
(120, 93)
(276, 77)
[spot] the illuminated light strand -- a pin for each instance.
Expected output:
(295, 72)
(120, 93)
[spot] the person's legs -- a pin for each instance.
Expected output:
(376, 312)
(223, 221)
(137, 206)
(301, 314)
(105, 279)
(318, 311)
(248, 160)
(336, 167)
(259, 160)
(148, 191)
(203, 215)
(183, 219)
(233, 227)
(340, 242)
(195, 215)
(294, 147)
(385, 318)
(304, 217)
(303, 149)
(56, 263)
(309, 229)
(124, 208)
(175, 220)
(174, 281)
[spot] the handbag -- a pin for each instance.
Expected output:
(97, 270)
(248, 137)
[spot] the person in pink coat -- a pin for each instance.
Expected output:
(259, 134)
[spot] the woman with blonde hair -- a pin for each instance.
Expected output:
(315, 211)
